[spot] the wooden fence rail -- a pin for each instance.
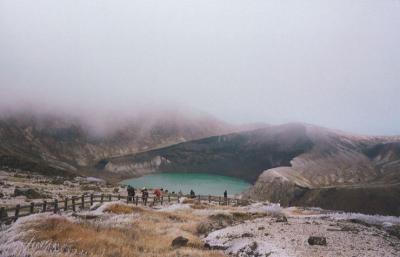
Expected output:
(74, 203)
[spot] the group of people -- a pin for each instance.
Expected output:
(132, 192)
(158, 193)
(145, 193)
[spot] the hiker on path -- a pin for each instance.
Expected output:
(192, 194)
(226, 197)
(157, 193)
(145, 194)
(131, 193)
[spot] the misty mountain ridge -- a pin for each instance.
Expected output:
(73, 144)
(294, 164)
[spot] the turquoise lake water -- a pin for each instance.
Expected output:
(201, 183)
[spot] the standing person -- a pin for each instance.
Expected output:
(129, 191)
(225, 197)
(157, 193)
(133, 193)
(192, 194)
(145, 194)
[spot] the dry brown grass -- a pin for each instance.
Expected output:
(199, 206)
(190, 201)
(148, 235)
(123, 209)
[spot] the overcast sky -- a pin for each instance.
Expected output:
(334, 63)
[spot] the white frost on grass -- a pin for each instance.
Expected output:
(114, 221)
(269, 208)
(174, 207)
(208, 212)
(103, 207)
(12, 239)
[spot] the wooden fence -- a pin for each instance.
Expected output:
(75, 203)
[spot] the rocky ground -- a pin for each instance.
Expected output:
(190, 229)
(304, 235)
(23, 188)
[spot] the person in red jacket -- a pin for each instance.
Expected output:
(157, 193)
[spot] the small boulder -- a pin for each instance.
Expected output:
(247, 235)
(281, 219)
(317, 240)
(215, 247)
(28, 192)
(393, 230)
(180, 241)
(253, 246)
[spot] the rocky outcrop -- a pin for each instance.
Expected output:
(179, 241)
(317, 240)
(341, 172)
(28, 193)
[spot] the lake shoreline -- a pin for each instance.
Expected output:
(201, 183)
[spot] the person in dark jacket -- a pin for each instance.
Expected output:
(131, 193)
(225, 194)
(192, 194)
(145, 194)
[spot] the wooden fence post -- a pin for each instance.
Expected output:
(16, 212)
(55, 206)
(109, 197)
(127, 199)
(73, 204)
(2, 214)
(102, 198)
(137, 200)
(83, 202)
(91, 199)
(119, 197)
(162, 200)
(32, 209)
(44, 206)
(178, 199)
(66, 204)
(227, 199)
(169, 198)
(199, 198)
(209, 198)
(219, 200)
(237, 201)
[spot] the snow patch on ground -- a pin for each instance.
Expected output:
(174, 207)
(269, 208)
(370, 219)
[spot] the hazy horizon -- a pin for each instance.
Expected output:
(331, 63)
